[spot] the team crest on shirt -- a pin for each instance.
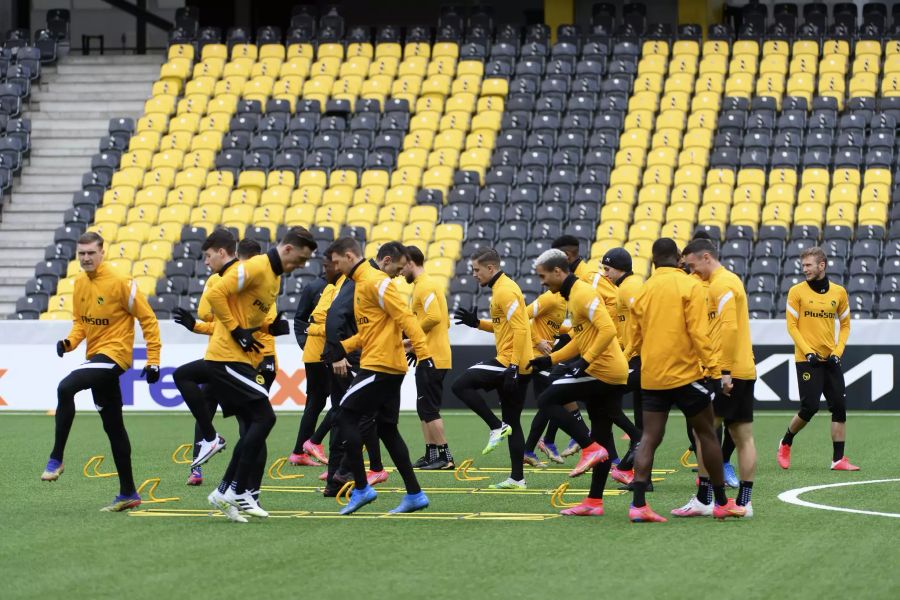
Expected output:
(100, 300)
(260, 380)
(807, 377)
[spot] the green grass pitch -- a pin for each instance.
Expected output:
(56, 544)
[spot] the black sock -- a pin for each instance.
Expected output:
(719, 493)
(577, 414)
(444, 449)
(727, 446)
(838, 453)
(428, 448)
(432, 453)
(703, 490)
(223, 486)
(640, 489)
(744, 493)
(788, 438)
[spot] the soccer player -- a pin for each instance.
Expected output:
(596, 375)
(616, 265)
(308, 449)
(429, 304)
(382, 317)
(192, 379)
(509, 372)
(729, 332)
(670, 334)
(242, 304)
(812, 309)
(547, 313)
(104, 307)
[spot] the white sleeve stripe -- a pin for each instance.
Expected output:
(242, 274)
(793, 311)
(132, 295)
(596, 281)
(382, 288)
(593, 308)
(845, 313)
(428, 301)
(724, 300)
(512, 309)
(534, 312)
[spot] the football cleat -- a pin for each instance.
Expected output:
(323, 476)
(589, 507)
(784, 455)
(843, 465)
(729, 509)
(421, 462)
(217, 500)
(316, 451)
(196, 477)
(358, 499)
(549, 448)
(121, 503)
(731, 479)
(590, 456)
(496, 436)
(411, 503)
(531, 459)
(694, 508)
(245, 503)
(623, 477)
(376, 477)
(749, 510)
(509, 484)
(644, 514)
(439, 464)
(208, 449)
(303, 460)
(571, 449)
(53, 470)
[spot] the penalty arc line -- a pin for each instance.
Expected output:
(793, 497)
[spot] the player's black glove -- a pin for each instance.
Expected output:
(411, 359)
(427, 367)
(812, 358)
(578, 367)
(466, 317)
(511, 380)
(151, 373)
(333, 352)
(561, 340)
(245, 339)
(835, 360)
(279, 326)
(184, 318)
(541, 363)
(267, 365)
(63, 346)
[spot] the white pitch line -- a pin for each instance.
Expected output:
(793, 497)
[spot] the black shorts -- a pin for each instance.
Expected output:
(430, 394)
(738, 407)
(691, 399)
(374, 393)
(235, 386)
(814, 381)
(587, 389)
(489, 375)
(100, 374)
(634, 374)
(268, 370)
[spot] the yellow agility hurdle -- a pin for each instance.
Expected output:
(91, 468)
(183, 454)
(275, 470)
(149, 487)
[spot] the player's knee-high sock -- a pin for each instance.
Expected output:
(258, 428)
(323, 428)
(569, 423)
(552, 428)
(601, 431)
(727, 446)
(316, 397)
(368, 429)
(621, 421)
(512, 416)
(65, 416)
(471, 398)
(538, 424)
(260, 469)
(349, 423)
(114, 426)
(196, 402)
(396, 447)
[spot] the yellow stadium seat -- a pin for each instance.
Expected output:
(362, 214)
(443, 249)
(372, 194)
(448, 231)
(300, 214)
(122, 194)
(177, 140)
(778, 213)
(600, 247)
(698, 138)
(338, 195)
(134, 232)
(420, 230)
(206, 212)
(444, 267)
(491, 87)
(747, 193)
(130, 250)
(713, 213)
(686, 193)
(187, 187)
(844, 193)
(621, 193)
(841, 213)
(616, 212)
(873, 213)
(394, 212)
(114, 213)
(717, 193)
(179, 213)
(810, 214)
(694, 156)
(644, 230)
(780, 193)
(385, 232)
(681, 211)
(163, 105)
(158, 250)
(745, 213)
(425, 213)
(658, 175)
(163, 177)
(612, 230)
(331, 212)
(635, 157)
(816, 193)
(876, 192)
(145, 213)
(311, 195)
(751, 177)
(649, 211)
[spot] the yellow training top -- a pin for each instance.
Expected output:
(512, 336)
(671, 331)
(547, 313)
(810, 320)
(627, 290)
(315, 335)
(429, 304)
(729, 325)
(593, 335)
(104, 307)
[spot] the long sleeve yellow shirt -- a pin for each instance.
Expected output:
(104, 307)
(810, 320)
(671, 331)
(729, 329)
(429, 304)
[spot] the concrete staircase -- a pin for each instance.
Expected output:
(69, 112)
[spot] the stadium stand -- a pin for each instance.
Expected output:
(771, 139)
